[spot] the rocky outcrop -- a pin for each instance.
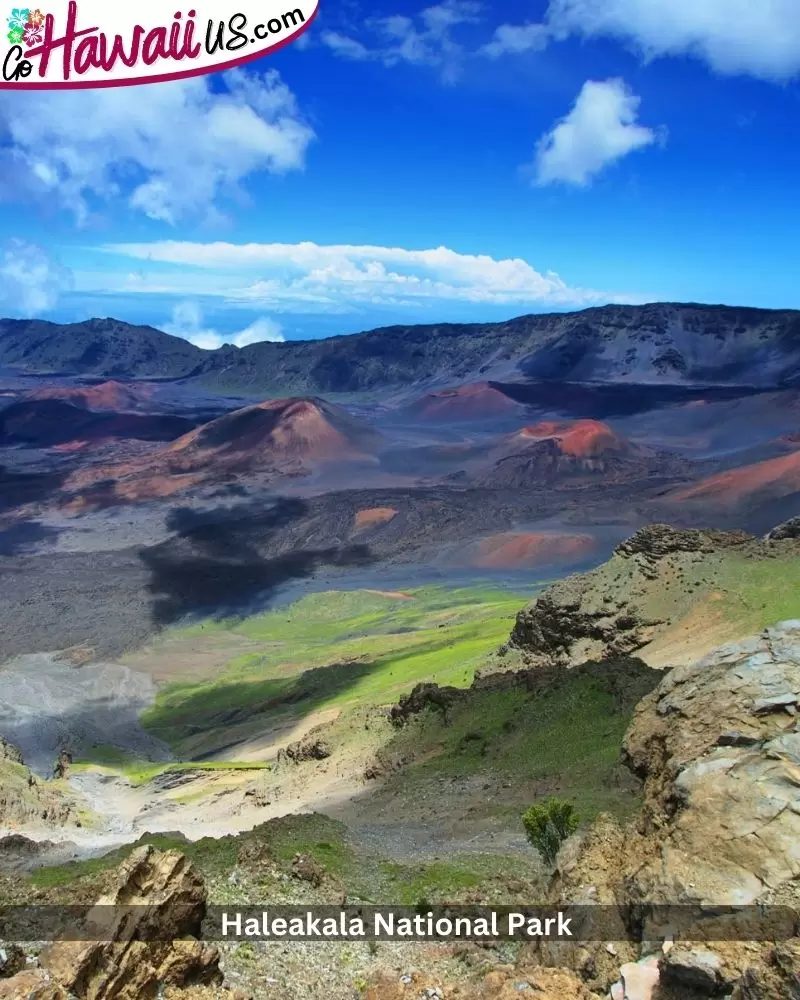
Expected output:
(717, 747)
(10, 752)
(148, 925)
(627, 679)
(789, 529)
(423, 696)
(655, 541)
(27, 801)
(651, 583)
(62, 764)
(311, 748)
(551, 629)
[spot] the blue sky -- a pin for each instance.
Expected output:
(420, 163)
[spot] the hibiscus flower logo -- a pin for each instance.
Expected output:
(25, 25)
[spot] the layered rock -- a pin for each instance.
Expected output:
(148, 926)
(717, 747)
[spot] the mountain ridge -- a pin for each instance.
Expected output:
(663, 343)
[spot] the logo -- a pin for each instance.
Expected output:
(92, 43)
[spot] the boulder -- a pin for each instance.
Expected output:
(12, 960)
(639, 980)
(719, 817)
(697, 968)
(789, 529)
(148, 927)
(62, 764)
(313, 748)
(306, 869)
(424, 695)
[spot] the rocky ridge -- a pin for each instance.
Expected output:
(666, 343)
(651, 582)
(717, 747)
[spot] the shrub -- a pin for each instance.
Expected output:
(548, 825)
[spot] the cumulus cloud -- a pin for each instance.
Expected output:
(513, 39)
(171, 151)
(187, 322)
(306, 277)
(31, 281)
(599, 130)
(426, 40)
(757, 37)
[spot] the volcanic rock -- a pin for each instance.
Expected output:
(314, 748)
(150, 922)
(789, 529)
(604, 613)
(12, 960)
(718, 828)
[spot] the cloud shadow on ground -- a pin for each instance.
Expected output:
(219, 561)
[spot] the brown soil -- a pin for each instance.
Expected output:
(775, 478)
(373, 516)
(109, 395)
(517, 550)
(465, 402)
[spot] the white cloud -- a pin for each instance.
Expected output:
(31, 281)
(757, 37)
(306, 277)
(187, 322)
(513, 39)
(599, 130)
(347, 48)
(171, 151)
(426, 40)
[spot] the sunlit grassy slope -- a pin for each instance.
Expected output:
(339, 649)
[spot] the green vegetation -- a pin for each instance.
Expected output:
(340, 649)
(547, 826)
(759, 593)
(514, 745)
(438, 881)
(139, 772)
(272, 847)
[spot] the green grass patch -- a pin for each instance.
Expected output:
(212, 857)
(139, 772)
(342, 649)
(760, 593)
(565, 738)
(407, 884)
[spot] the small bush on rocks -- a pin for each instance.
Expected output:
(548, 824)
